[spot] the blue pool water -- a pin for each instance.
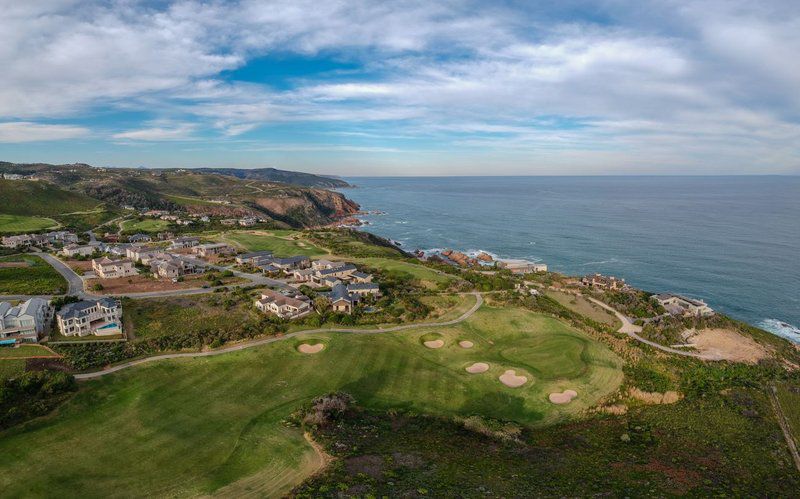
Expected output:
(733, 241)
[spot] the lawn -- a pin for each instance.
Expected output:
(38, 278)
(25, 352)
(194, 426)
(11, 367)
(582, 306)
(147, 225)
(19, 223)
(279, 242)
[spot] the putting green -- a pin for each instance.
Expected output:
(214, 424)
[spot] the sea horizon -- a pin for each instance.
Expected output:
(689, 234)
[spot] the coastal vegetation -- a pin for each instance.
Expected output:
(29, 275)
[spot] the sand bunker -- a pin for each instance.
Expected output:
(726, 344)
(510, 379)
(466, 344)
(306, 348)
(564, 397)
(434, 344)
(478, 367)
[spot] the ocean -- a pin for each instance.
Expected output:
(731, 241)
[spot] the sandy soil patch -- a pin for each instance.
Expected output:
(434, 344)
(669, 397)
(143, 284)
(726, 344)
(616, 409)
(564, 397)
(510, 379)
(308, 348)
(466, 344)
(477, 368)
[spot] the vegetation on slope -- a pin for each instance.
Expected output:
(34, 277)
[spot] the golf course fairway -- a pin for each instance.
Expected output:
(215, 424)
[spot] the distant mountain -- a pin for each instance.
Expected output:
(283, 176)
(290, 199)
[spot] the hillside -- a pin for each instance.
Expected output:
(25, 197)
(193, 191)
(283, 176)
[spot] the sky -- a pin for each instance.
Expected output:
(405, 88)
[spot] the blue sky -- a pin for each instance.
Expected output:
(405, 88)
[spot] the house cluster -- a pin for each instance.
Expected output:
(166, 265)
(49, 239)
(683, 306)
(101, 317)
(73, 250)
(25, 322)
(212, 249)
(608, 283)
(15, 176)
(286, 305)
(248, 221)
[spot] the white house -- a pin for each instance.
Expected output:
(286, 307)
(101, 317)
(25, 322)
(681, 305)
(75, 250)
(106, 268)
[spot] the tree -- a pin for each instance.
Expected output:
(322, 303)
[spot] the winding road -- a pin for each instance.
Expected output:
(266, 341)
(632, 330)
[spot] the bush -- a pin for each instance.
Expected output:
(32, 394)
(328, 408)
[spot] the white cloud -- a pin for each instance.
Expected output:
(159, 132)
(26, 131)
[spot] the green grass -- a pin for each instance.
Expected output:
(193, 426)
(582, 306)
(189, 201)
(789, 397)
(18, 223)
(147, 225)
(279, 242)
(39, 278)
(425, 275)
(40, 198)
(24, 352)
(11, 367)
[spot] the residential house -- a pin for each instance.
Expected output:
(285, 307)
(184, 242)
(302, 275)
(139, 238)
(142, 254)
(522, 266)
(341, 272)
(600, 281)
(342, 300)
(681, 305)
(173, 266)
(106, 268)
(254, 258)
(363, 289)
(206, 250)
(325, 264)
(100, 317)
(248, 221)
(360, 277)
(25, 322)
(163, 236)
(76, 250)
(229, 221)
(17, 241)
(292, 262)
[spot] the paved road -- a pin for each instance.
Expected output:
(632, 330)
(74, 280)
(265, 341)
